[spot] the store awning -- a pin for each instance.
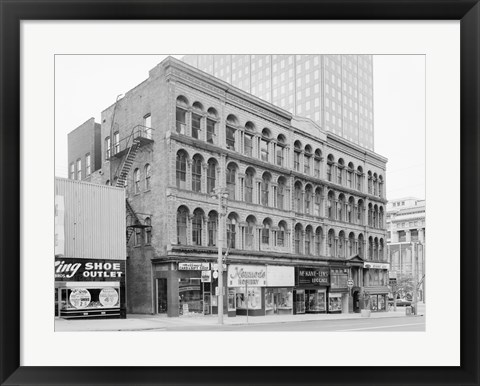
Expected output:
(373, 290)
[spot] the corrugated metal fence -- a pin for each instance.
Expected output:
(94, 219)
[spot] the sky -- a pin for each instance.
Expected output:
(87, 84)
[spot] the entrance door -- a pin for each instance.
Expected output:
(162, 296)
(207, 310)
(275, 302)
(356, 302)
(300, 301)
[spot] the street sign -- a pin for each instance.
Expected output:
(350, 283)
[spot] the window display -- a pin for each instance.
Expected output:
(278, 300)
(90, 298)
(315, 301)
(231, 299)
(252, 299)
(335, 303)
(190, 296)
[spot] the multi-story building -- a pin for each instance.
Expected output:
(406, 239)
(335, 91)
(304, 218)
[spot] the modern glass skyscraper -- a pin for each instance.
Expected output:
(335, 91)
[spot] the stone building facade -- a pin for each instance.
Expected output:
(305, 213)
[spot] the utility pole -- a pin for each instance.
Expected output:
(415, 277)
(221, 194)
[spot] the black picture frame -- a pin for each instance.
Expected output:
(13, 12)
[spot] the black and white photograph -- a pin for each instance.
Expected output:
(240, 192)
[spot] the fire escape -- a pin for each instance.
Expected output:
(125, 151)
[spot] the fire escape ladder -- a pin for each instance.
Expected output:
(134, 220)
(127, 163)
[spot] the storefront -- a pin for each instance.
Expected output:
(279, 290)
(338, 293)
(186, 288)
(87, 288)
(310, 292)
(246, 289)
(376, 285)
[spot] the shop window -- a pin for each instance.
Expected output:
(315, 301)
(148, 171)
(181, 169)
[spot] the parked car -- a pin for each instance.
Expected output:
(400, 302)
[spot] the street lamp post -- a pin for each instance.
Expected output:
(221, 194)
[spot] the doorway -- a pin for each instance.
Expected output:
(356, 301)
(162, 303)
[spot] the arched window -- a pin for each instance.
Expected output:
(370, 248)
(248, 139)
(296, 155)
(264, 142)
(298, 239)
(370, 182)
(318, 202)
(331, 242)
(381, 250)
(359, 179)
(350, 174)
(375, 184)
(197, 222)
(148, 231)
(108, 149)
(317, 162)
(181, 172)
(370, 215)
(231, 230)
(280, 149)
(148, 171)
(351, 210)
(211, 175)
(116, 142)
(380, 218)
(318, 241)
(197, 114)
(182, 214)
(330, 165)
(341, 207)
(211, 125)
(375, 216)
(341, 244)
(249, 185)
(360, 245)
(360, 212)
(331, 205)
(308, 240)
(212, 228)
(181, 115)
(250, 232)
(281, 234)
(265, 188)
(197, 173)
(307, 157)
(308, 199)
(351, 244)
(267, 223)
(375, 249)
(298, 197)
(341, 167)
(231, 178)
(136, 180)
(281, 192)
(230, 129)
(380, 186)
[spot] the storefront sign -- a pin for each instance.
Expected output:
(80, 298)
(312, 276)
(215, 267)
(67, 269)
(108, 297)
(193, 266)
(376, 265)
(206, 276)
(250, 275)
(280, 276)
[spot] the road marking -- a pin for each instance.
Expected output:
(387, 326)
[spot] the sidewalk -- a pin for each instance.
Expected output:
(142, 322)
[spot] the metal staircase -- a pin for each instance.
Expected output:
(127, 163)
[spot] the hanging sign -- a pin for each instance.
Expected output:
(206, 276)
(193, 266)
